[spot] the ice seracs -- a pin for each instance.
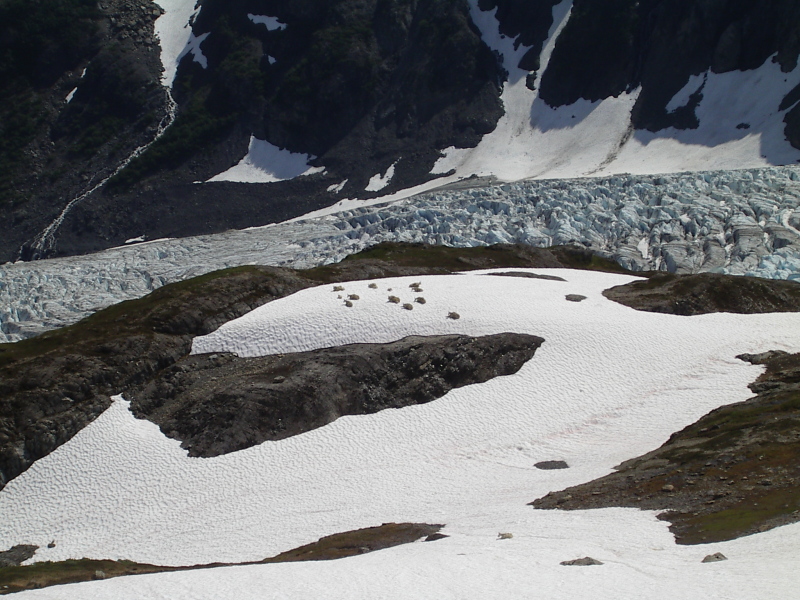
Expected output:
(736, 222)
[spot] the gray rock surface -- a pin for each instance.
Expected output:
(17, 555)
(219, 403)
(716, 557)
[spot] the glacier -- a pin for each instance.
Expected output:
(735, 222)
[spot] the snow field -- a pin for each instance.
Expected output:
(609, 383)
(644, 563)
(534, 140)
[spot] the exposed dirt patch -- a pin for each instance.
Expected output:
(735, 472)
(219, 403)
(708, 293)
(338, 545)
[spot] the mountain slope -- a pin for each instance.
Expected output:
(284, 108)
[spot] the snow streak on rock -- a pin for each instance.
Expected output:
(742, 222)
(740, 123)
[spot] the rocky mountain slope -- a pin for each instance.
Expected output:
(285, 107)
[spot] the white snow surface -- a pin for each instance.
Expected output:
(737, 222)
(377, 182)
(535, 140)
(266, 163)
(609, 383)
(174, 32)
(271, 23)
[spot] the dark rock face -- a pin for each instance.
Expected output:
(707, 293)
(549, 465)
(17, 555)
(360, 85)
(735, 472)
(219, 403)
(54, 385)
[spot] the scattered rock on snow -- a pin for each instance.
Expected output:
(575, 297)
(586, 561)
(716, 557)
(17, 555)
(527, 275)
(548, 465)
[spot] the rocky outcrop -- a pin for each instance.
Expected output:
(218, 403)
(53, 385)
(330, 547)
(735, 472)
(13, 557)
(707, 293)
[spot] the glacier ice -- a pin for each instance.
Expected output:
(736, 222)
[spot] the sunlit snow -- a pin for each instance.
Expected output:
(534, 140)
(377, 182)
(266, 163)
(609, 383)
(174, 31)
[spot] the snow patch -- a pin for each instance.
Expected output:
(173, 29)
(534, 140)
(337, 187)
(378, 182)
(193, 47)
(271, 23)
(71, 95)
(266, 163)
(682, 97)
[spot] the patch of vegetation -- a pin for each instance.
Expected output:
(339, 545)
(40, 40)
(46, 574)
